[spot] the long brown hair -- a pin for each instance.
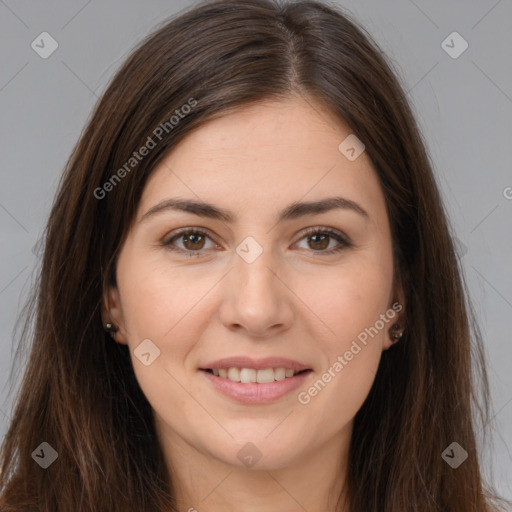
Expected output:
(79, 393)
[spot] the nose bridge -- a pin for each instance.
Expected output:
(256, 298)
(254, 271)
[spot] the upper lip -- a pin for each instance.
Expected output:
(258, 364)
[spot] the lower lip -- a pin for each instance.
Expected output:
(255, 393)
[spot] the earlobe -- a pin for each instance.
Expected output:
(112, 315)
(397, 327)
(395, 333)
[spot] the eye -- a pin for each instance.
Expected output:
(193, 240)
(319, 239)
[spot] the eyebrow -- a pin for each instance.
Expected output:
(294, 211)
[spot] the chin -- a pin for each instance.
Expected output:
(258, 453)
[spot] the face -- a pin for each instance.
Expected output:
(258, 282)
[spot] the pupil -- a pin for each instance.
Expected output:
(194, 239)
(324, 242)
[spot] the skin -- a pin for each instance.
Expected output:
(292, 301)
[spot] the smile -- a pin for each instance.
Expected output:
(248, 375)
(251, 386)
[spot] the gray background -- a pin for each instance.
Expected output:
(464, 107)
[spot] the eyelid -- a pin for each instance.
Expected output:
(190, 229)
(325, 229)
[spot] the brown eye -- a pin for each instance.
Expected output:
(194, 241)
(190, 241)
(320, 241)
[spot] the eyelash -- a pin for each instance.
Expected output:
(342, 240)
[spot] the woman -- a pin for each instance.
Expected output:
(249, 296)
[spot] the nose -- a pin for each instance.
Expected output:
(256, 298)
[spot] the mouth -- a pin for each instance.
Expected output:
(253, 375)
(255, 386)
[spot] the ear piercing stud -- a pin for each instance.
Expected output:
(111, 328)
(396, 333)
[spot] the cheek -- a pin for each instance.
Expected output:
(165, 305)
(347, 299)
(353, 307)
(160, 299)
(352, 357)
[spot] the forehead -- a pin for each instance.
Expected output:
(269, 153)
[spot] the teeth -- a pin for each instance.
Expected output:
(279, 373)
(265, 376)
(249, 375)
(234, 374)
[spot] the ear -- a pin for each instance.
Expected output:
(112, 312)
(398, 306)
